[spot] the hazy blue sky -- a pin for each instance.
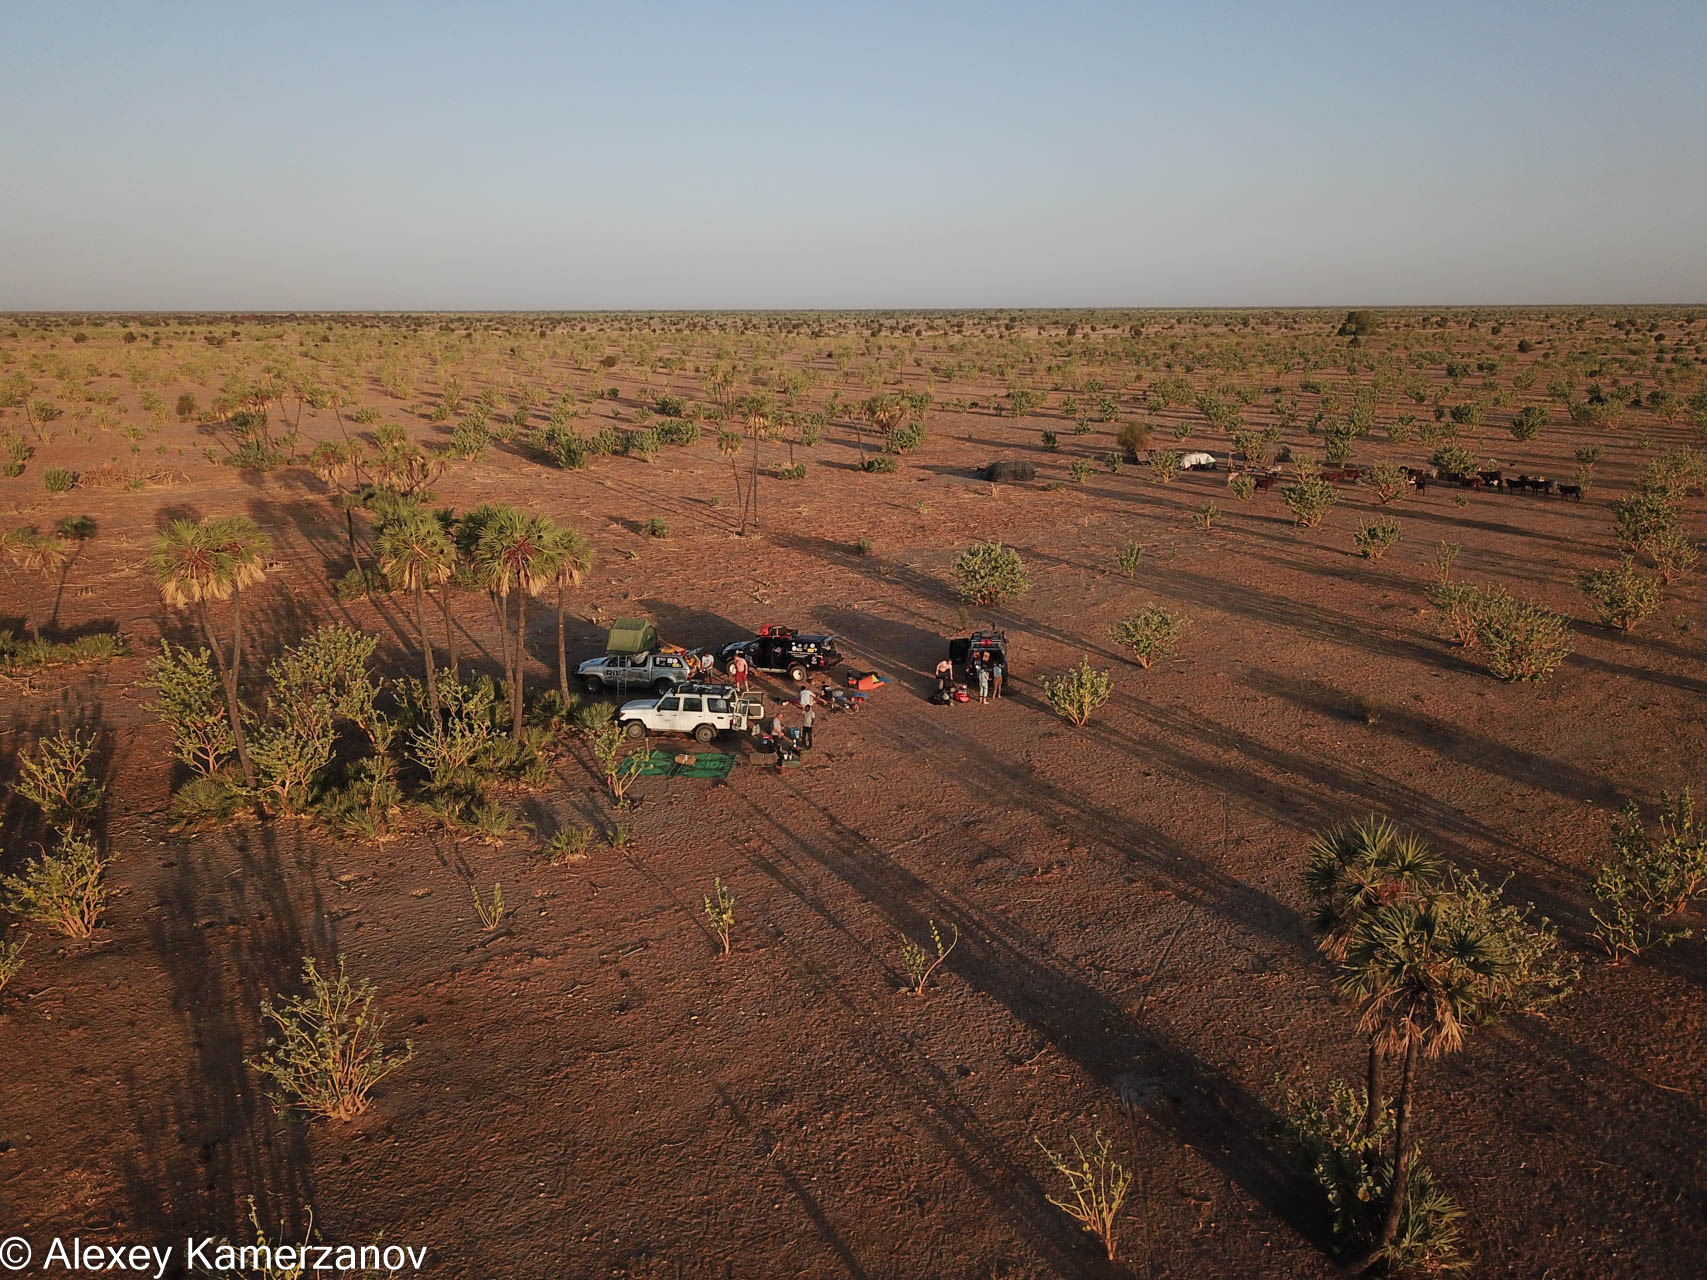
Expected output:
(498, 155)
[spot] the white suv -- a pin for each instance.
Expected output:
(703, 712)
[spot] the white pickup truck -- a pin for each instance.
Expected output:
(704, 711)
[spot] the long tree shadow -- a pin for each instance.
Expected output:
(1197, 1105)
(209, 1142)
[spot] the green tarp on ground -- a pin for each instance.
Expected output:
(632, 635)
(707, 764)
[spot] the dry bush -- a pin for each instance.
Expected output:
(328, 1052)
(1096, 1188)
(65, 890)
(1078, 692)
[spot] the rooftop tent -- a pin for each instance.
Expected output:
(632, 635)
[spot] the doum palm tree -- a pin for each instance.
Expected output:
(415, 553)
(510, 557)
(1353, 870)
(214, 560)
(567, 558)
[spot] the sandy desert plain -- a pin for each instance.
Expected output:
(593, 1088)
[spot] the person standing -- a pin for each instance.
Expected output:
(945, 678)
(983, 682)
(998, 676)
(807, 711)
(738, 669)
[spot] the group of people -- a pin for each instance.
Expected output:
(788, 744)
(985, 672)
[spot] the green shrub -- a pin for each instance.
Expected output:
(655, 528)
(54, 776)
(318, 686)
(1459, 606)
(11, 959)
(1111, 463)
(1309, 498)
(1078, 692)
(881, 463)
(59, 479)
(206, 802)
(470, 438)
(676, 431)
(1164, 464)
(328, 1050)
(669, 406)
(1454, 459)
(1128, 558)
(1648, 882)
(862, 546)
(796, 472)
(591, 716)
(19, 656)
(65, 889)
(1528, 422)
(1386, 480)
(358, 584)
(1520, 640)
(904, 438)
(1623, 596)
(1375, 538)
(1151, 634)
(990, 574)
(1354, 1175)
(567, 447)
(1079, 470)
(191, 703)
(14, 453)
(1242, 485)
(569, 845)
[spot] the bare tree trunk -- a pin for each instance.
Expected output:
(1401, 1146)
(1372, 1091)
(500, 606)
(450, 631)
(350, 532)
(427, 652)
(516, 692)
(562, 652)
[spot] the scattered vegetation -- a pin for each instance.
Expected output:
(1151, 634)
(990, 575)
(1077, 693)
(1094, 1189)
(327, 1050)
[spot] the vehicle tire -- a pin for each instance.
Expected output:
(593, 684)
(634, 729)
(661, 687)
(797, 673)
(704, 733)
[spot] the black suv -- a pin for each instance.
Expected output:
(782, 649)
(981, 647)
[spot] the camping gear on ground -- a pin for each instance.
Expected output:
(703, 764)
(865, 681)
(961, 694)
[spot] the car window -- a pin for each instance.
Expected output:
(669, 704)
(669, 662)
(690, 704)
(717, 706)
